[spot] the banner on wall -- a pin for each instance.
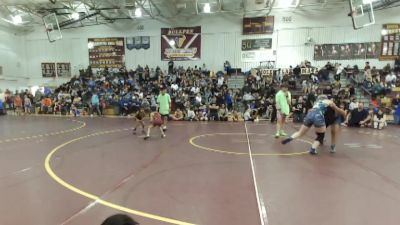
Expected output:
(48, 70)
(181, 43)
(346, 51)
(138, 42)
(257, 56)
(106, 52)
(63, 69)
(390, 42)
(256, 44)
(56, 69)
(258, 25)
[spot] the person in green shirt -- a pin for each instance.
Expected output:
(164, 105)
(282, 99)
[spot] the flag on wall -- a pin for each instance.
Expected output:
(181, 43)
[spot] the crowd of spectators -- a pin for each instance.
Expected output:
(200, 95)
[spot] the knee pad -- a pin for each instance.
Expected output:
(320, 137)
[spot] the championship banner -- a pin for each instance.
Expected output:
(390, 42)
(48, 70)
(256, 44)
(257, 56)
(181, 43)
(106, 52)
(63, 69)
(346, 51)
(138, 42)
(258, 25)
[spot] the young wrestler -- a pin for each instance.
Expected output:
(333, 118)
(156, 121)
(139, 120)
(315, 117)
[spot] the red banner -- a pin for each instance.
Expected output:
(181, 43)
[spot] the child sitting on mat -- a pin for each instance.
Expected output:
(156, 121)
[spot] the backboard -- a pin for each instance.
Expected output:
(362, 13)
(52, 27)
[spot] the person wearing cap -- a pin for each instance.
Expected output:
(282, 99)
(315, 117)
(164, 105)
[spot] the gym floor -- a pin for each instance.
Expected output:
(75, 171)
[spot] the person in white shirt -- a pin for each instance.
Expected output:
(2, 96)
(195, 90)
(190, 115)
(339, 70)
(390, 78)
(198, 99)
(353, 104)
(174, 87)
(220, 81)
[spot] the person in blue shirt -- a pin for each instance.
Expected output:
(2, 109)
(315, 117)
(95, 104)
(396, 115)
(125, 106)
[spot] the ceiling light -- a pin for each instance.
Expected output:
(171, 43)
(384, 32)
(138, 12)
(75, 16)
(17, 19)
(90, 45)
(207, 8)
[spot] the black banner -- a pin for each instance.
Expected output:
(347, 51)
(258, 25)
(256, 44)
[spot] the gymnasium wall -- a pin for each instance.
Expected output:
(221, 40)
(12, 59)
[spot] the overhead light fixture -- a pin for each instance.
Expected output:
(138, 12)
(90, 45)
(171, 43)
(75, 16)
(366, 2)
(207, 8)
(17, 19)
(384, 32)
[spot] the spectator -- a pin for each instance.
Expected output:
(191, 115)
(178, 115)
(223, 113)
(95, 104)
(379, 120)
(357, 117)
(299, 109)
(2, 107)
(353, 104)
(213, 112)
(18, 104)
(390, 79)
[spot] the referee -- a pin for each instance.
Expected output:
(164, 105)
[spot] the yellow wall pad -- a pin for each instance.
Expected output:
(97, 199)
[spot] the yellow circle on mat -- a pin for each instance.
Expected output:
(191, 141)
(93, 197)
